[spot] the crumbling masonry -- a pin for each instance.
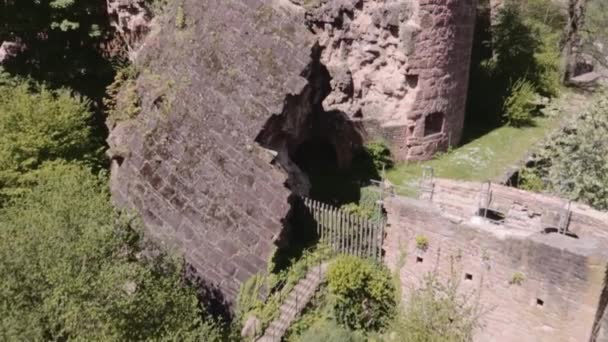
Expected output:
(226, 99)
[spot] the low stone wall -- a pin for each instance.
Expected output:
(558, 299)
(525, 211)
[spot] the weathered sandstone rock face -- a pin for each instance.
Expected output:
(226, 101)
(189, 163)
(131, 20)
(400, 67)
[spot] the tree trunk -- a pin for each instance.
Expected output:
(573, 41)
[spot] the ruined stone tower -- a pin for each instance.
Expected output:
(225, 99)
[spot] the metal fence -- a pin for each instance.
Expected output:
(346, 233)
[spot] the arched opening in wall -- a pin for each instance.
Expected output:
(491, 215)
(433, 123)
(330, 183)
(554, 230)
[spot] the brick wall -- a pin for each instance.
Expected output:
(192, 168)
(559, 299)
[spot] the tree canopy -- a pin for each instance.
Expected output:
(573, 162)
(73, 269)
(38, 124)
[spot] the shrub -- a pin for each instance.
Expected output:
(519, 105)
(362, 293)
(422, 242)
(180, 18)
(437, 312)
(573, 161)
(72, 269)
(380, 155)
(529, 180)
(122, 101)
(329, 331)
(39, 125)
(517, 278)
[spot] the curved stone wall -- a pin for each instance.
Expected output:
(399, 66)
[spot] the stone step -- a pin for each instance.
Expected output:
(295, 302)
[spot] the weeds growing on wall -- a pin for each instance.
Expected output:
(262, 296)
(437, 312)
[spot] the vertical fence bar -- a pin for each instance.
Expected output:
(357, 227)
(368, 239)
(332, 228)
(323, 223)
(344, 233)
(340, 234)
(381, 230)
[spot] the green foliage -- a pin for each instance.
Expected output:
(595, 32)
(517, 278)
(362, 293)
(38, 125)
(573, 162)
(180, 18)
(519, 106)
(62, 40)
(72, 269)
(380, 155)
(422, 242)
(530, 181)
(437, 312)
(252, 299)
(329, 331)
(122, 101)
(524, 44)
(368, 205)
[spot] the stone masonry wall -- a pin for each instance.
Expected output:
(236, 78)
(525, 212)
(558, 299)
(188, 163)
(400, 64)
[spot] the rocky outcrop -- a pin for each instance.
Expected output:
(192, 166)
(9, 49)
(227, 97)
(131, 19)
(399, 66)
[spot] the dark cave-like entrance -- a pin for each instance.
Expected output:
(322, 153)
(330, 182)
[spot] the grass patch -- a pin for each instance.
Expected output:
(485, 158)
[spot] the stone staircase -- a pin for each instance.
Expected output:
(295, 302)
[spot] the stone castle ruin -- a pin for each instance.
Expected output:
(227, 100)
(538, 266)
(225, 103)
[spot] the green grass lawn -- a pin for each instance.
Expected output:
(486, 158)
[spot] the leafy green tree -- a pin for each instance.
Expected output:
(362, 292)
(595, 31)
(37, 125)
(574, 161)
(62, 40)
(71, 269)
(519, 105)
(523, 43)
